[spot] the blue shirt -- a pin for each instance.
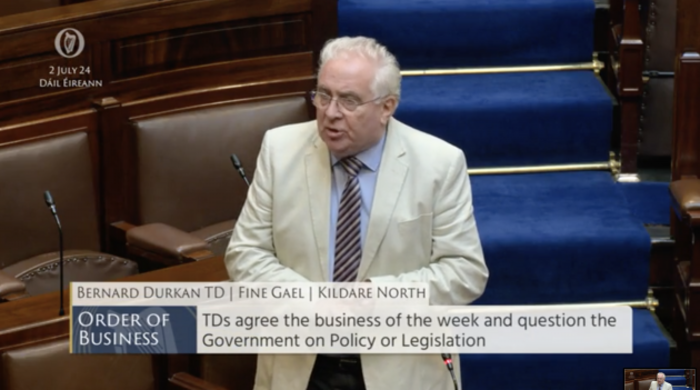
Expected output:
(368, 179)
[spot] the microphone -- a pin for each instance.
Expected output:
(49, 202)
(447, 359)
(239, 167)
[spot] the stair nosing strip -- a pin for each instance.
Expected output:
(595, 166)
(594, 65)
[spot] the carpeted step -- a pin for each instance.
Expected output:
(674, 372)
(676, 380)
(516, 119)
(570, 372)
(475, 33)
(559, 238)
(649, 202)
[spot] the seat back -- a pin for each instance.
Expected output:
(49, 365)
(61, 164)
(185, 175)
(644, 384)
(629, 385)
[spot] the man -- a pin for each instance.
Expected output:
(660, 383)
(358, 196)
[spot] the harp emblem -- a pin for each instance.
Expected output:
(69, 43)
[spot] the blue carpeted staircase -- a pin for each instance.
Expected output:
(561, 237)
(676, 378)
(552, 117)
(428, 34)
(674, 372)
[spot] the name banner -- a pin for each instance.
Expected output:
(330, 318)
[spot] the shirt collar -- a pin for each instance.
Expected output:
(370, 157)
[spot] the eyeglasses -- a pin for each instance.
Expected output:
(323, 100)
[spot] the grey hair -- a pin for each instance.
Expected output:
(662, 374)
(387, 79)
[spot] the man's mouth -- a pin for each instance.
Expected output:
(334, 133)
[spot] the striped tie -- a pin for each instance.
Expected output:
(348, 247)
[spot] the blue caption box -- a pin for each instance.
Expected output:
(133, 329)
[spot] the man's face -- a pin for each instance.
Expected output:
(660, 379)
(349, 78)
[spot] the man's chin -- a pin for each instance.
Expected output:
(338, 148)
(340, 153)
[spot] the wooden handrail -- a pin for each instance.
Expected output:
(630, 84)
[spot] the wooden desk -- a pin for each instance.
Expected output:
(36, 318)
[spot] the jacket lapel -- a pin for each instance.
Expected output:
(318, 181)
(392, 173)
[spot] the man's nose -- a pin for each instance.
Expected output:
(333, 109)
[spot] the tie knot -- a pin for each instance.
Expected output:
(352, 165)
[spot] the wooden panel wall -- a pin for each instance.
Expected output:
(136, 49)
(640, 374)
(686, 132)
(686, 162)
(153, 55)
(141, 57)
(17, 7)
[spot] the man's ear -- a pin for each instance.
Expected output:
(388, 108)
